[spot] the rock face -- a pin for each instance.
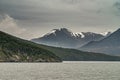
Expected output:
(110, 44)
(67, 39)
(13, 49)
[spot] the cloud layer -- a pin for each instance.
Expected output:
(36, 17)
(9, 25)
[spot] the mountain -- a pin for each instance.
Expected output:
(67, 39)
(110, 44)
(13, 49)
(77, 55)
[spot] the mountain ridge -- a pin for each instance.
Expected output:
(67, 39)
(109, 44)
(76, 55)
(13, 49)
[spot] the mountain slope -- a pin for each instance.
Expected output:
(76, 55)
(67, 39)
(110, 44)
(13, 49)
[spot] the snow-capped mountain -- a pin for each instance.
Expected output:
(108, 45)
(67, 39)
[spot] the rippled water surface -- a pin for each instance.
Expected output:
(60, 71)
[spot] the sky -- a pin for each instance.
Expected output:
(29, 19)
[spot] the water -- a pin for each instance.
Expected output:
(60, 71)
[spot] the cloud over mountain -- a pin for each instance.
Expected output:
(78, 15)
(9, 25)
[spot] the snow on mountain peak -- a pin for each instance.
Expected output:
(105, 33)
(76, 35)
(82, 35)
(51, 32)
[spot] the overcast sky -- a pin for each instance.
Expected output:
(33, 18)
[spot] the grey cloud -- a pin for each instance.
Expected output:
(8, 24)
(117, 4)
(34, 15)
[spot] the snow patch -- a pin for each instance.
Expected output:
(78, 35)
(82, 35)
(105, 33)
(52, 32)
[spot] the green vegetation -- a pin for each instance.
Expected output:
(13, 49)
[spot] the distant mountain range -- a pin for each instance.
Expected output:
(67, 39)
(87, 41)
(109, 45)
(13, 49)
